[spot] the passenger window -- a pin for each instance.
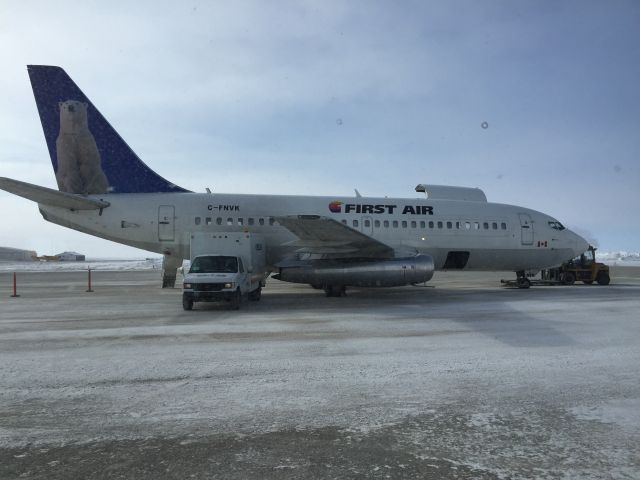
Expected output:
(355, 223)
(395, 224)
(457, 225)
(250, 221)
(431, 224)
(197, 220)
(404, 224)
(467, 225)
(476, 225)
(208, 220)
(386, 224)
(344, 221)
(439, 224)
(503, 226)
(219, 220)
(449, 225)
(261, 221)
(229, 221)
(413, 224)
(486, 225)
(240, 222)
(367, 223)
(376, 223)
(494, 225)
(423, 224)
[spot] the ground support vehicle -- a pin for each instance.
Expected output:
(583, 268)
(224, 267)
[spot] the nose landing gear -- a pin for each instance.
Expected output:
(522, 281)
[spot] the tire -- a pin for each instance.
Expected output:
(187, 303)
(523, 282)
(335, 290)
(603, 278)
(256, 295)
(236, 300)
(568, 278)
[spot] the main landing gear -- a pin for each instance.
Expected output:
(335, 290)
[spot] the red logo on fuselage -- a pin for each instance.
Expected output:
(335, 207)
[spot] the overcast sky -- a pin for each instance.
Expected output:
(321, 97)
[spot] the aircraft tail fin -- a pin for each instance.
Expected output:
(87, 154)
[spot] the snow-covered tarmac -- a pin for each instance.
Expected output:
(457, 379)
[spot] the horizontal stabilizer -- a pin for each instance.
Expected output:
(48, 196)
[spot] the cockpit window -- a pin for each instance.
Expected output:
(556, 225)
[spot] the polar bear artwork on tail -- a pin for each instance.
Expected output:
(79, 164)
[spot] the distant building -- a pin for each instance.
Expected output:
(16, 255)
(70, 257)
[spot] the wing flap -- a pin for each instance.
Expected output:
(48, 196)
(322, 235)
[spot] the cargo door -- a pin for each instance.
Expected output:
(526, 229)
(166, 225)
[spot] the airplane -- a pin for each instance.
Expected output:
(329, 242)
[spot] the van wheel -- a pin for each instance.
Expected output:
(568, 278)
(236, 300)
(603, 278)
(523, 282)
(187, 303)
(256, 295)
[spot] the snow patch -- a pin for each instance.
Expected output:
(622, 258)
(95, 264)
(624, 412)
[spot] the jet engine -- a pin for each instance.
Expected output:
(380, 273)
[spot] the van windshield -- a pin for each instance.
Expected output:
(214, 265)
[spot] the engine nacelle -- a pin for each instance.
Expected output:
(382, 273)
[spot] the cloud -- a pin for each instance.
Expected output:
(246, 94)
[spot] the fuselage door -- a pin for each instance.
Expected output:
(526, 229)
(166, 225)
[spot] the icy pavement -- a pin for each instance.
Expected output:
(458, 379)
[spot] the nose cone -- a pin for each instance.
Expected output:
(580, 245)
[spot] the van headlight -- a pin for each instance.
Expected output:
(230, 285)
(186, 285)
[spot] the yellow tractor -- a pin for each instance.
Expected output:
(583, 268)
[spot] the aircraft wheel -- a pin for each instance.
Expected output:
(335, 290)
(603, 278)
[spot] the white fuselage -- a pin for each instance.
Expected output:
(497, 236)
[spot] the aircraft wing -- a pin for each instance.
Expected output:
(48, 196)
(325, 236)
